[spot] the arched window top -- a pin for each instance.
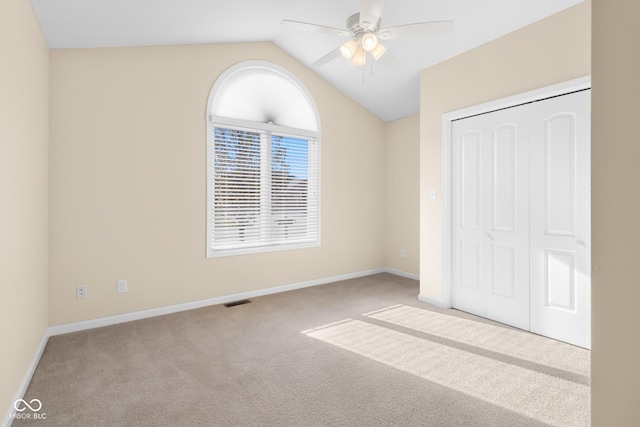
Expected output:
(263, 167)
(262, 92)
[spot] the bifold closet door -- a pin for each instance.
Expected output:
(521, 242)
(490, 216)
(560, 218)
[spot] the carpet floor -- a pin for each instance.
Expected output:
(361, 352)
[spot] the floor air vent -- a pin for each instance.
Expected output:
(234, 303)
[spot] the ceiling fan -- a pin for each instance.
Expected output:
(365, 33)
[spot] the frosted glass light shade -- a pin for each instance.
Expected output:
(359, 58)
(349, 49)
(369, 42)
(378, 51)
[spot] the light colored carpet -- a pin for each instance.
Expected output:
(511, 342)
(361, 352)
(540, 396)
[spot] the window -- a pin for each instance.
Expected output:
(263, 162)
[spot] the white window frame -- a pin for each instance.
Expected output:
(214, 121)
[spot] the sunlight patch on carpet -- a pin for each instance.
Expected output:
(499, 339)
(540, 396)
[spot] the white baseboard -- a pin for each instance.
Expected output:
(144, 314)
(26, 380)
(432, 301)
(401, 273)
(153, 312)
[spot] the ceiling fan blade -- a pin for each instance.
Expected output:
(304, 26)
(327, 58)
(421, 29)
(389, 60)
(370, 12)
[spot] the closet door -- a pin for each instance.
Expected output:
(468, 275)
(490, 216)
(560, 219)
(507, 220)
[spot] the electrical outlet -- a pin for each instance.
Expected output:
(81, 292)
(403, 254)
(122, 285)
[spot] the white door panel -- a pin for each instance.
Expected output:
(470, 156)
(560, 219)
(490, 226)
(506, 170)
(520, 200)
(470, 262)
(507, 227)
(468, 234)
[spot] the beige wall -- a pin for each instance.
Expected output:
(615, 213)
(550, 51)
(24, 108)
(402, 171)
(114, 187)
(128, 181)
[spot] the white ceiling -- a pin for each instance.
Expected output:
(389, 91)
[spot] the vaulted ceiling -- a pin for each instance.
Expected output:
(389, 88)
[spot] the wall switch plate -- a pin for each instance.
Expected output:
(433, 194)
(122, 285)
(81, 292)
(403, 254)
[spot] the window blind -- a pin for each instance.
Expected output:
(265, 189)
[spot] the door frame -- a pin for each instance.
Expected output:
(447, 121)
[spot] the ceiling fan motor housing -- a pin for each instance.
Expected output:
(353, 24)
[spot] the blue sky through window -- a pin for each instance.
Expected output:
(290, 155)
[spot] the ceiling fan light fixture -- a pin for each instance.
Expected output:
(378, 51)
(349, 49)
(359, 57)
(369, 41)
